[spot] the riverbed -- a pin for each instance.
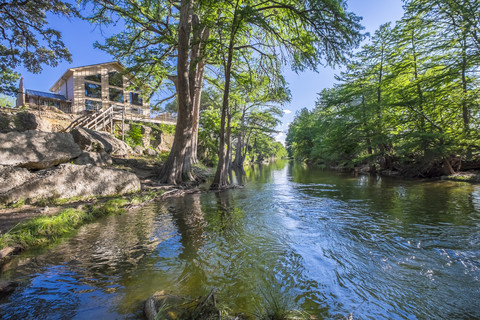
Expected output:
(328, 243)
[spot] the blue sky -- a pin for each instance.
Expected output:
(306, 86)
(79, 37)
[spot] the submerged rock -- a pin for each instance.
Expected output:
(7, 288)
(37, 150)
(69, 180)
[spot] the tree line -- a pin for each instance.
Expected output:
(408, 101)
(238, 47)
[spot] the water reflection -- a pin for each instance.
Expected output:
(325, 242)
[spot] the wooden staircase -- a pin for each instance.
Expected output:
(100, 120)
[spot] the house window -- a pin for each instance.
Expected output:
(115, 79)
(50, 103)
(94, 77)
(93, 90)
(136, 99)
(92, 105)
(136, 110)
(115, 95)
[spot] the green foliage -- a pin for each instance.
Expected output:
(406, 102)
(163, 127)
(8, 79)
(26, 39)
(208, 135)
(134, 136)
(276, 307)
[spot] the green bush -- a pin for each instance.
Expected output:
(134, 136)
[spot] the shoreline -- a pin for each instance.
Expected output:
(459, 176)
(47, 221)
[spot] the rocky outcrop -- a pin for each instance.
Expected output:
(95, 141)
(37, 150)
(161, 141)
(12, 177)
(69, 180)
(21, 121)
(101, 159)
(146, 131)
(138, 149)
(150, 152)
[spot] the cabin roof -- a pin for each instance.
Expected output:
(48, 95)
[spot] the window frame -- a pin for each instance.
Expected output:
(139, 102)
(99, 105)
(120, 92)
(111, 79)
(87, 83)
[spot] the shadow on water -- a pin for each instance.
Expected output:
(324, 242)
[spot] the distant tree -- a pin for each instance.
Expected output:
(6, 101)
(306, 33)
(26, 40)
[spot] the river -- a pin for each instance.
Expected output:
(328, 243)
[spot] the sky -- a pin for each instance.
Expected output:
(79, 37)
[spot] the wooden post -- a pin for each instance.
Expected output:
(123, 124)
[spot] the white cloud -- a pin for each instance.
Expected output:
(286, 111)
(280, 137)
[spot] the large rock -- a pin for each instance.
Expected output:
(90, 140)
(101, 159)
(69, 180)
(21, 121)
(162, 141)
(146, 131)
(139, 150)
(150, 152)
(12, 177)
(37, 150)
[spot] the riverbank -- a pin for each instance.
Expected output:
(460, 176)
(46, 221)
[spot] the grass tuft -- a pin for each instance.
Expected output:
(45, 230)
(275, 307)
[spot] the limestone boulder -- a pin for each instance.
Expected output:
(95, 141)
(37, 150)
(101, 159)
(70, 180)
(150, 152)
(146, 131)
(162, 141)
(21, 121)
(138, 149)
(12, 177)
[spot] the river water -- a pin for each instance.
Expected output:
(328, 243)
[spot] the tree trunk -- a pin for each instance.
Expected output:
(177, 169)
(197, 72)
(239, 159)
(465, 111)
(419, 89)
(220, 181)
(365, 129)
